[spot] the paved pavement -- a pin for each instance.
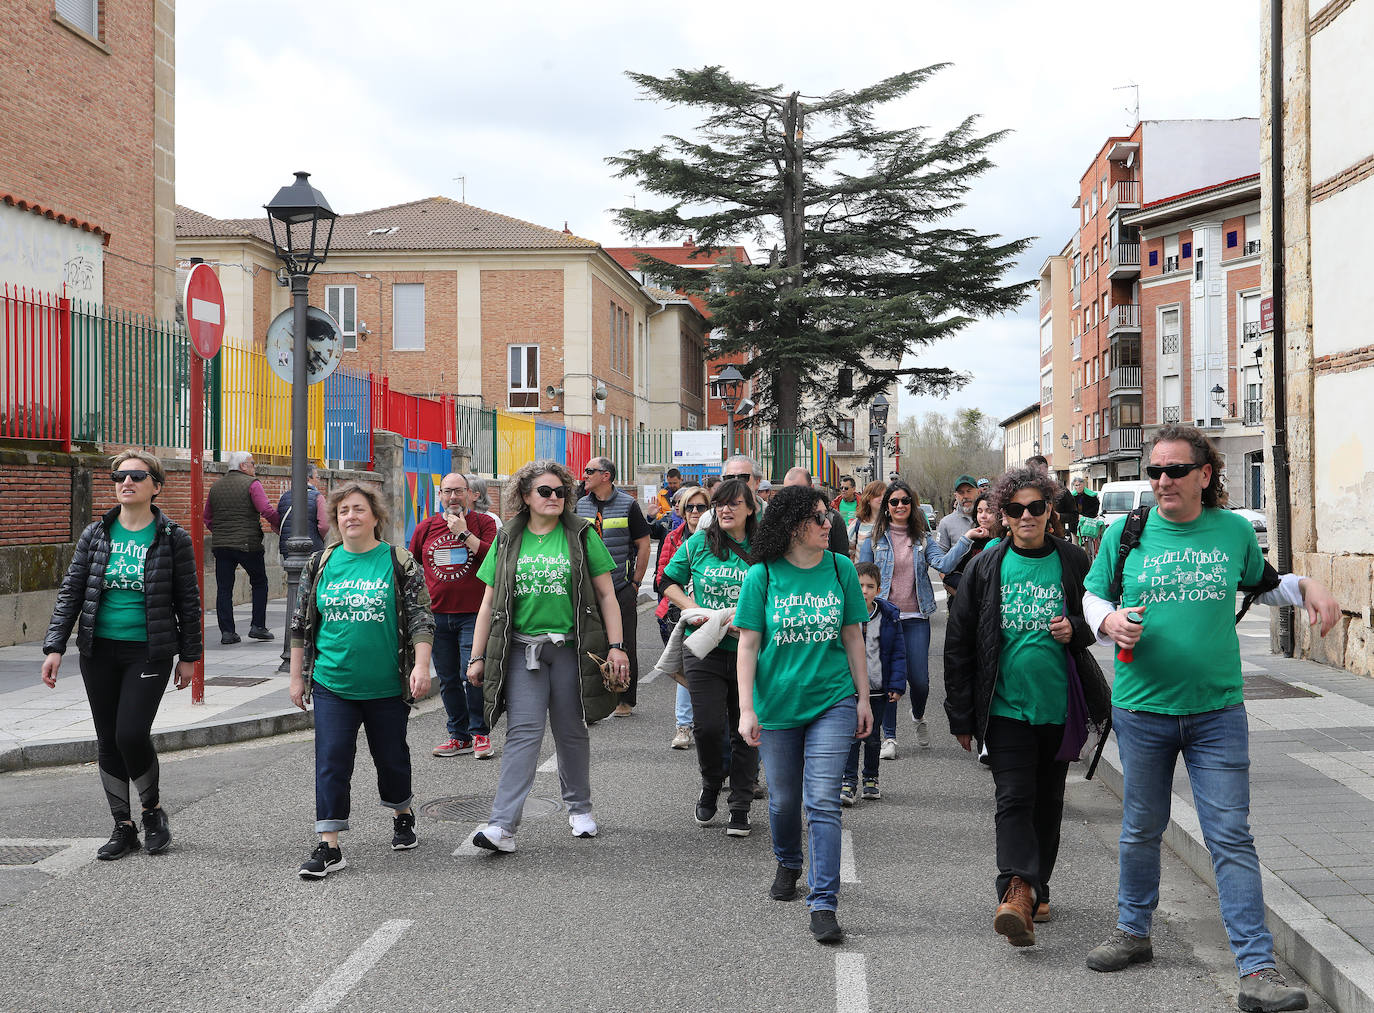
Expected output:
(1312, 749)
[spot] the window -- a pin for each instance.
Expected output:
(341, 303)
(1198, 265)
(1168, 332)
(1154, 258)
(523, 390)
(1169, 399)
(693, 366)
(408, 318)
(844, 443)
(1187, 250)
(845, 383)
(82, 14)
(1231, 239)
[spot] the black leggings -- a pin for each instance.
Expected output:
(125, 688)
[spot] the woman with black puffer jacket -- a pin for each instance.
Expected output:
(133, 595)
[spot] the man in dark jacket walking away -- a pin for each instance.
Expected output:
(232, 510)
(316, 509)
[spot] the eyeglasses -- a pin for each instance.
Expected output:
(896, 501)
(820, 520)
(695, 508)
(450, 492)
(551, 492)
(743, 475)
(137, 474)
(1175, 471)
(1036, 508)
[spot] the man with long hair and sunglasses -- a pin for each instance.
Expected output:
(1178, 690)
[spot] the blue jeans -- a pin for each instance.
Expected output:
(1216, 751)
(336, 744)
(916, 637)
(462, 700)
(805, 767)
(682, 707)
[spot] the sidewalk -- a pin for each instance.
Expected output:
(1311, 812)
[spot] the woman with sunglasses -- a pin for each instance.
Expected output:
(549, 606)
(132, 593)
(803, 689)
(1008, 682)
(690, 503)
(904, 549)
(713, 563)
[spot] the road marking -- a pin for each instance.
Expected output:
(467, 847)
(851, 983)
(351, 971)
(548, 766)
(848, 872)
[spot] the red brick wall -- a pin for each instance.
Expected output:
(77, 124)
(521, 308)
(34, 501)
(619, 399)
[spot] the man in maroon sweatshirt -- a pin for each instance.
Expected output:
(450, 545)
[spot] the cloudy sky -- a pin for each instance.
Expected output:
(389, 103)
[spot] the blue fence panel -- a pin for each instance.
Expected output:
(348, 417)
(550, 442)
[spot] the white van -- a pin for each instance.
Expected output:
(1120, 498)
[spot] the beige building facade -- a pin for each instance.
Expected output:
(1021, 436)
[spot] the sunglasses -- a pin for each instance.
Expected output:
(137, 474)
(820, 520)
(592, 471)
(899, 501)
(1036, 509)
(551, 492)
(1175, 471)
(695, 508)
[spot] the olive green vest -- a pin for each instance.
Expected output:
(233, 517)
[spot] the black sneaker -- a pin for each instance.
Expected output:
(322, 861)
(261, 633)
(739, 824)
(706, 806)
(784, 883)
(229, 638)
(403, 839)
(123, 840)
(825, 928)
(157, 836)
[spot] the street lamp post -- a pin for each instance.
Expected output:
(295, 216)
(877, 418)
(729, 385)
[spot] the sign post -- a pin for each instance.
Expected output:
(203, 301)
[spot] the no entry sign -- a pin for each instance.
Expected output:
(204, 302)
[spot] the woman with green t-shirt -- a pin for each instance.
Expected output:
(713, 563)
(803, 689)
(549, 607)
(361, 638)
(1019, 678)
(132, 594)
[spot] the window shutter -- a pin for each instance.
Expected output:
(408, 317)
(85, 14)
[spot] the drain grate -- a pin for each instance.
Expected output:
(235, 681)
(466, 808)
(1266, 687)
(27, 854)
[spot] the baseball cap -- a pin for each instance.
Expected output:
(765, 486)
(982, 483)
(965, 480)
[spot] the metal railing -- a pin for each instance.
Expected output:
(1169, 344)
(1253, 246)
(1124, 192)
(1172, 414)
(1124, 439)
(1250, 331)
(1125, 256)
(1254, 412)
(1124, 316)
(348, 417)
(35, 366)
(1125, 378)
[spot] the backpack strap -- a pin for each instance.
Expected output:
(1130, 539)
(1269, 580)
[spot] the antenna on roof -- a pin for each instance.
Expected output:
(464, 181)
(1136, 88)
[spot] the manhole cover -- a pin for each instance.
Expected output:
(27, 854)
(1266, 687)
(234, 681)
(466, 808)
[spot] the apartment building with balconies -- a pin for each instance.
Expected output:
(1056, 361)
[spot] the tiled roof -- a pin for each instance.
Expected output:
(628, 256)
(57, 216)
(435, 223)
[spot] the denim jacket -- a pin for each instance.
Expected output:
(879, 550)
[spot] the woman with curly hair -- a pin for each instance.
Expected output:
(803, 689)
(550, 605)
(713, 563)
(1018, 677)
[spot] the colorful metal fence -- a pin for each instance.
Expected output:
(348, 417)
(255, 407)
(35, 366)
(515, 442)
(426, 464)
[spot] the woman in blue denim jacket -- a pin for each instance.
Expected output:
(904, 549)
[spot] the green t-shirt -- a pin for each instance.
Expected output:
(1186, 575)
(123, 612)
(802, 670)
(356, 652)
(847, 510)
(1032, 677)
(714, 582)
(543, 579)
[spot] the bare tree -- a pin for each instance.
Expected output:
(937, 449)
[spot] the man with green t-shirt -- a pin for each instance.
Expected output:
(1178, 690)
(847, 502)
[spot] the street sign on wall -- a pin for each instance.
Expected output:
(323, 344)
(1267, 314)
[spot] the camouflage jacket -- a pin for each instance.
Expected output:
(414, 618)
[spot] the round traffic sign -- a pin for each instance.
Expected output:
(204, 302)
(323, 344)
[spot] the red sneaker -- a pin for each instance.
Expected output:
(482, 747)
(453, 747)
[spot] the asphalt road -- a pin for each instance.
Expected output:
(655, 914)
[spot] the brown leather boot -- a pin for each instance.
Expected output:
(1013, 917)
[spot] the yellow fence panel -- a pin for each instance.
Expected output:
(255, 407)
(514, 442)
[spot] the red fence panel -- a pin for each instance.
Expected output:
(33, 359)
(579, 451)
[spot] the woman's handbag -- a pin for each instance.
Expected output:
(616, 683)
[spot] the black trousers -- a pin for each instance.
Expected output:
(125, 688)
(715, 716)
(628, 598)
(227, 562)
(1030, 800)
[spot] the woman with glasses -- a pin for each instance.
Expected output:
(691, 502)
(548, 609)
(713, 563)
(803, 689)
(1015, 657)
(904, 549)
(132, 593)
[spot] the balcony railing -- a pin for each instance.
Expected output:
(1172, 414)
(1252, 246)
(1169, 344)
(1125, 317)
(1125, 260)
(1250, 330)
(1125, 439)
(1254, 413)
(1125, 378)
(1124, 194)
(1078, 347)
(1074, 290)
(1171, 264)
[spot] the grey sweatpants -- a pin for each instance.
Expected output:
(553, 691)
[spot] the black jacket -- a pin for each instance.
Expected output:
(171, 591)
(973, 639)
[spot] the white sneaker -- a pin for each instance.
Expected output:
(922, 734)
(494, 839)
(889, 750)
(582, 825)
(683, 738)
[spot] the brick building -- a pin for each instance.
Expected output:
(87, 173)
(1056, 359)
(1021, 436)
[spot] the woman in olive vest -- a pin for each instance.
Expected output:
(549, 605)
